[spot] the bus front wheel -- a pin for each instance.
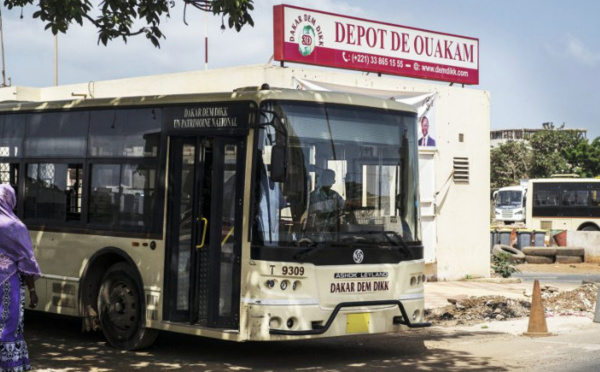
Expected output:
(120, 304)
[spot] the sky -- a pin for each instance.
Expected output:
(539, 59)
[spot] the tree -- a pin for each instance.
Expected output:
(118, 18)
(549, 151)
(510, 162)
(585, 157)
(555, 152)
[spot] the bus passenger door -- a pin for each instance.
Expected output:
(204, 224)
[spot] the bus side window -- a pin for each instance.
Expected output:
(581, 197)
(46, 191)
(104, 194)
(595, 197)
(123, 195)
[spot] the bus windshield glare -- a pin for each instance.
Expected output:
(351, 177)
(509, 198)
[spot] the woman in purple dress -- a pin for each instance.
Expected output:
(18, 268)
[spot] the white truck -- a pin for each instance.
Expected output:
(509, 203)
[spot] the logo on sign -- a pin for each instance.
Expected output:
(306, 32)
(358, 256)
(307, 40)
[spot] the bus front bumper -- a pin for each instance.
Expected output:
(317, 330)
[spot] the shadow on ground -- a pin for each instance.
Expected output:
(56, 344)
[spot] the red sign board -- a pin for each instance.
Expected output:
(325, 39)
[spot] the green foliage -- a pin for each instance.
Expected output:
(117, 18)
(238, 11)
(585, 157)
(547, 152)
(503, 266)
(553, 152)
(510, 162)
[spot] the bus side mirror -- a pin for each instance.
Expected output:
(278, 163)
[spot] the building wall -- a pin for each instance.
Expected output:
(463, 208)
(461, 211)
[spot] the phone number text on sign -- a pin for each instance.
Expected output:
(368, 60)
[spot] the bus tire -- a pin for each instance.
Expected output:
(539, 259)
(120, 304)
(515, 254)
(590, 228)
(569, 259)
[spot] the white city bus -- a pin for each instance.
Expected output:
(510, 203)
(193, 213)
(564, 204)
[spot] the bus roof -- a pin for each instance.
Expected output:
(565, 180)
(255, 94)
(511, 188)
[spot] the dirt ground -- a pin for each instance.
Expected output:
(580, 301)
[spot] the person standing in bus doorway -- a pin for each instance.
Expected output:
(426, 139)
(18, 267)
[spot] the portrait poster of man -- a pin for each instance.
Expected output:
(426, 125)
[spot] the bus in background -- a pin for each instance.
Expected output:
(510, 203)
(564, 204)
(259, 214)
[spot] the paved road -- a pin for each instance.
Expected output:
(56, 344)
(577, 279)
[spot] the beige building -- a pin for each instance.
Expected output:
(454, 173)
(501, 136)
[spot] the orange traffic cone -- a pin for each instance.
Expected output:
(537, 320)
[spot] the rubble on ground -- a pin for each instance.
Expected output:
(473, 310)
(581, 299)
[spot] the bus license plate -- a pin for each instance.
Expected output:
(358, 323)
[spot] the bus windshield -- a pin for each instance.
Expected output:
(351, 177)
(509, 198)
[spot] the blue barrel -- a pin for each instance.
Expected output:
(539, 238)
(504, 237)
(523, 239)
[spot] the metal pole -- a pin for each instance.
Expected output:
(206, 42)
(55, 60)
(2, 46)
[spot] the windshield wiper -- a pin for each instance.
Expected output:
(391, 236)
(403, 247)
(300, 256)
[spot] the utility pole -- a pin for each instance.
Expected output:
(206, 42)
(2, 51)
(56, 60)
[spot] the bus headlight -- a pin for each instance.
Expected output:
(417, 280)
(284, 285)
(275, 322)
